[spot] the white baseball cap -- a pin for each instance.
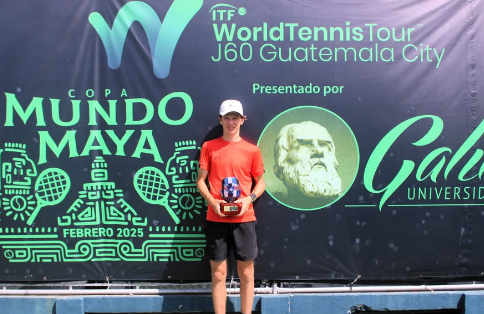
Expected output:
(231, 105)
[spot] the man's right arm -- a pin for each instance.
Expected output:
(205, 192)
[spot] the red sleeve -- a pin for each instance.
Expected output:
(205, 157)
(257, 164)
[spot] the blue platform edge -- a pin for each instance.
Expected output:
(465, 302)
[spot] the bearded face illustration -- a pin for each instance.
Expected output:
(305, 160)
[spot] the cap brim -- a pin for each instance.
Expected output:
(227, 112)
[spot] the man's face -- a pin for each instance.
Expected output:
(231, 123)
(310, 165)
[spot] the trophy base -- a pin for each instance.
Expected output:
(231, 209)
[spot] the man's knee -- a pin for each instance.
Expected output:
(219, 271)
(246, 271)
(219, 275)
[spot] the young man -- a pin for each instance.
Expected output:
(231, 156)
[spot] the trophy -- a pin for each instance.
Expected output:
(230, 193)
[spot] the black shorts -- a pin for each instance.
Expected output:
(239, 237)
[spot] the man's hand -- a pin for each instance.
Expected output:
(216, 207)
(246, 201)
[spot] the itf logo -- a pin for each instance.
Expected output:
(162, 37)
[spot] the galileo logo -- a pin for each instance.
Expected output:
(162, 37)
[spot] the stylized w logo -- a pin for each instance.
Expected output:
(162, 37)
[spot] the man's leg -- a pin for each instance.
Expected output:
(219, 288)
(245, 270)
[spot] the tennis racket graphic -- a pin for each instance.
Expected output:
(51, 187)
(152, 186)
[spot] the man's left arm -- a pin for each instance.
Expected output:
(259, 188)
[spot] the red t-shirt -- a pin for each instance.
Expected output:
(231, 159)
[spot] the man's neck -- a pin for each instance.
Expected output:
(232, 137)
